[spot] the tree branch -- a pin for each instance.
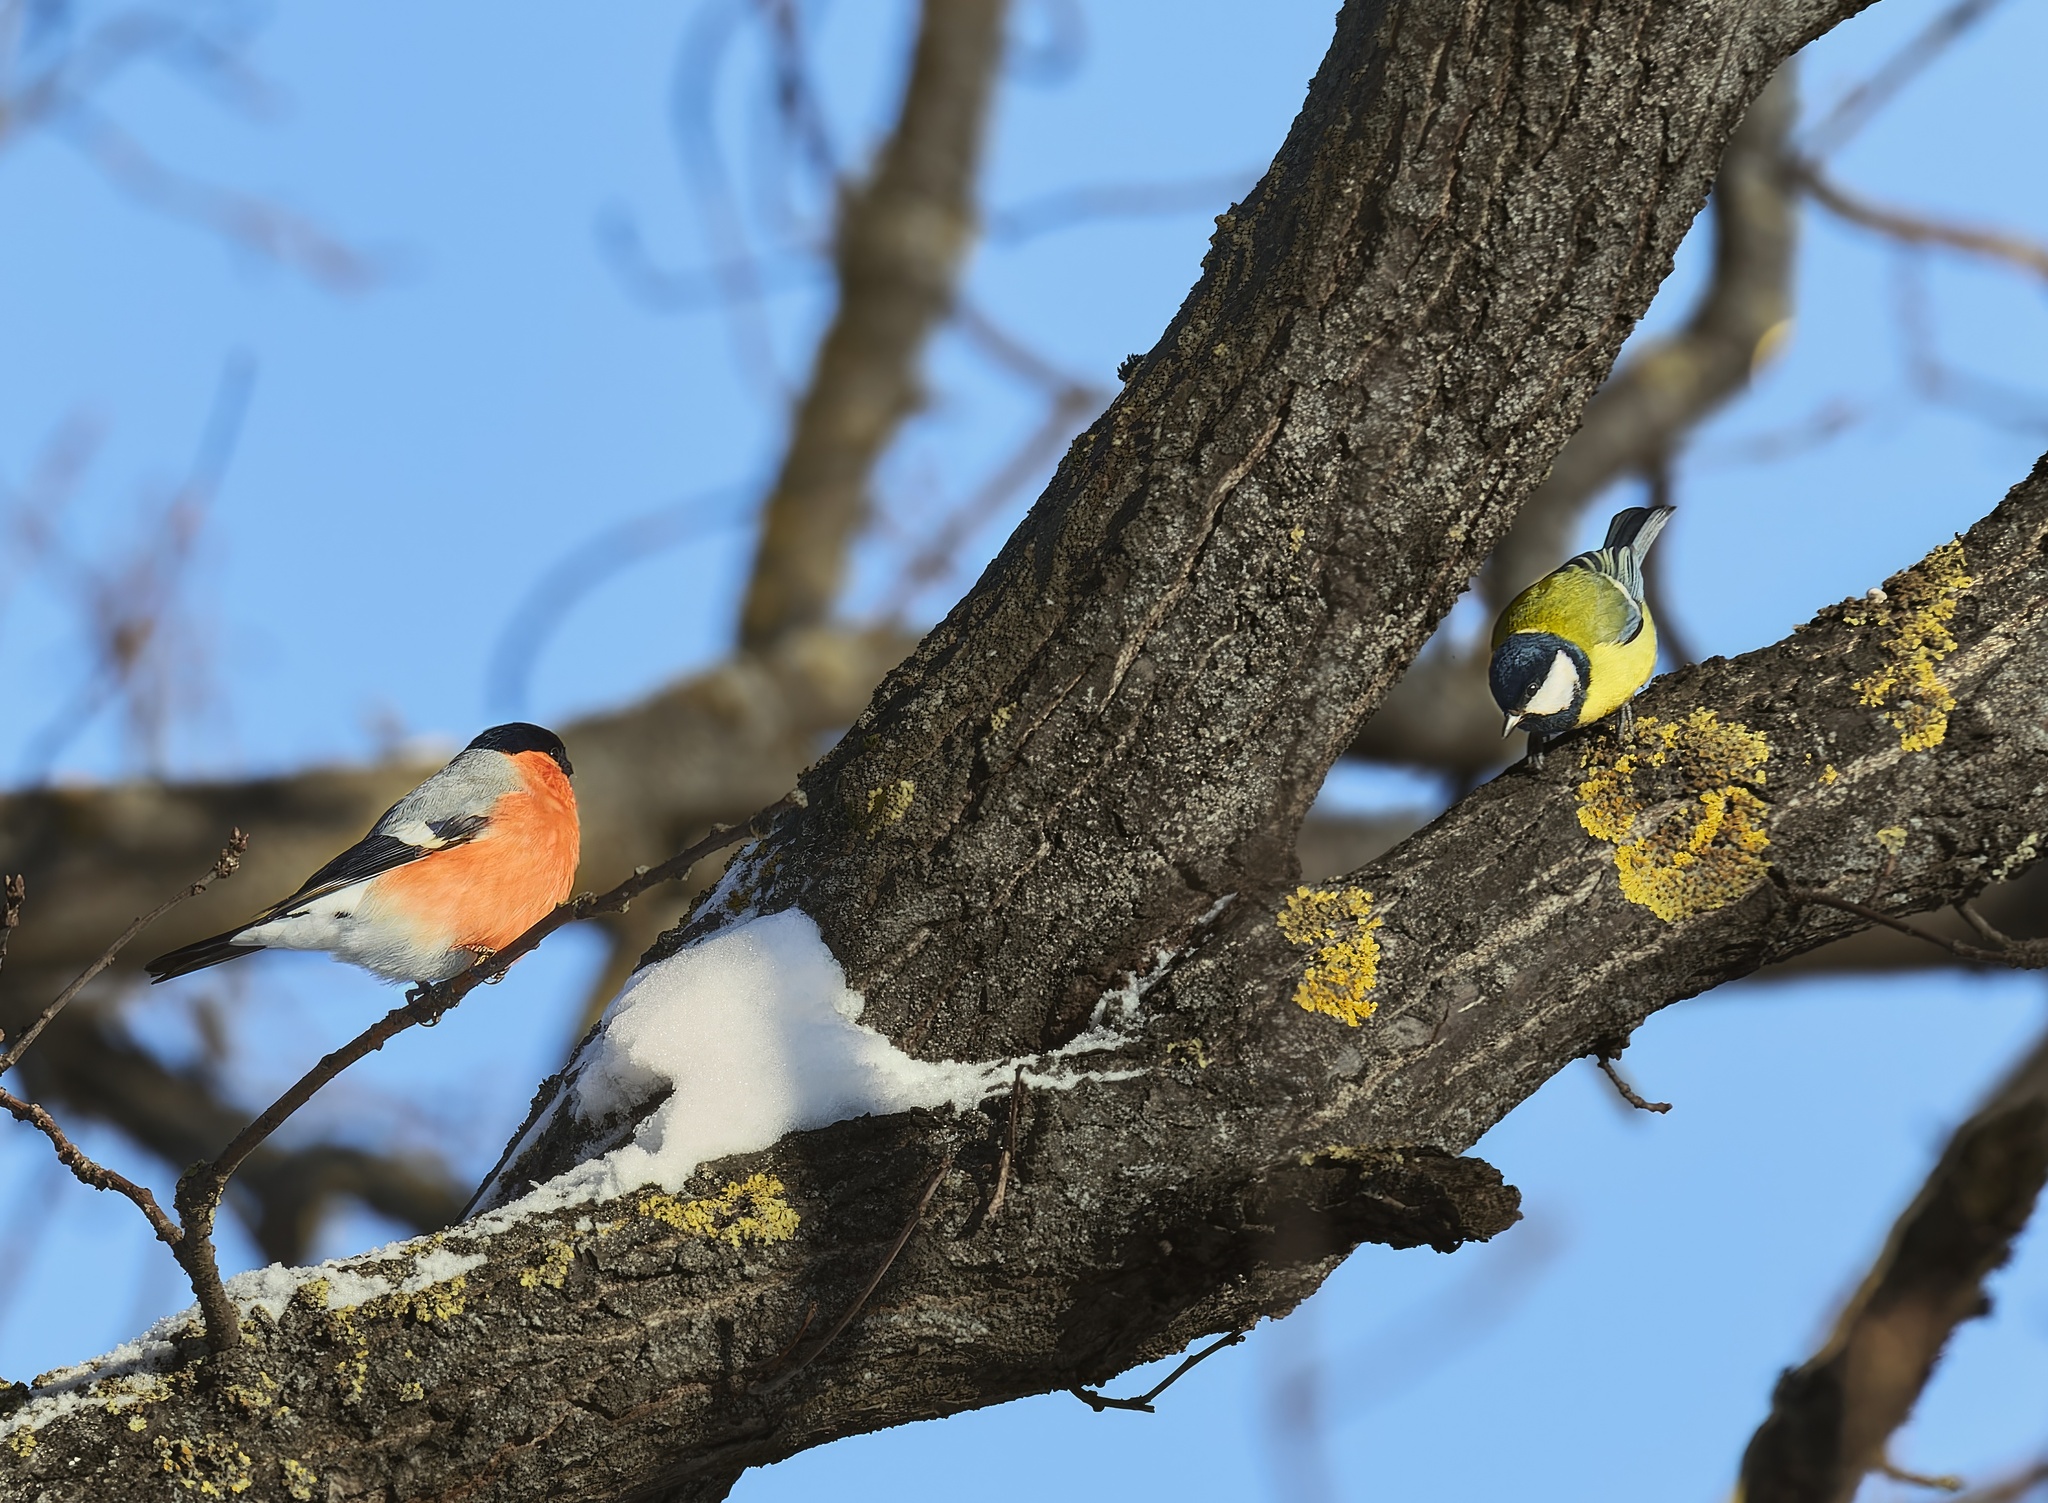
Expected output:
(1441, 715)
(1832, 1417)
(901, 240)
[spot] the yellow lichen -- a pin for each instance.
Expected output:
(1688, 844)
(299, 1479)
(999, 721)
(1891, 839)
(748, 1210)
(412, 1393)
(555, 1261)
(1193, 1049)
(1917, 607)
(138, 1423)
(1338, 926)
(442, 1301)
(353, 1371)
(887, 805)
(252, 1396)
(212, 1466)
(22, 1443)
(1295, 538)
(1828, 774)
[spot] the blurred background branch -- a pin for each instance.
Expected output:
(790, 212)
(1832, 1418)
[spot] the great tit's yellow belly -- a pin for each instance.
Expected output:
(1615, 670)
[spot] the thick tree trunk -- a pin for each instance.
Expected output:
(1118, 730)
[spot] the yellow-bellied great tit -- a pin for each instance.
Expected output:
(1576, 645)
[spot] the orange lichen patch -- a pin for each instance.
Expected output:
(1915, 609)
(1679, 810)
(1338, 926)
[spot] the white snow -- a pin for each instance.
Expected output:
(269, 1289)
(756, 1032)
(755, 1035)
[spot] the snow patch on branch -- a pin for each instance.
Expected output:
(749, 1035)
(127, 1375)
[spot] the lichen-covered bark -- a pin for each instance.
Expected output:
(620, 1352)
(1394, 334)
(1119, 728)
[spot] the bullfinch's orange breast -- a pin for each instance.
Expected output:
(489, 892)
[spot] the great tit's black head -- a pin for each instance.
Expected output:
(518, 737)
(1539, 681)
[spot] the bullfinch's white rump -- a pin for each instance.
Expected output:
(458, 868)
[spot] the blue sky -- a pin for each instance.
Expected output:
(413, 458)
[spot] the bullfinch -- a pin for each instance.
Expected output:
(1576, 645)
(457, 869)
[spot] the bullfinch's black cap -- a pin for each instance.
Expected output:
(520, 736)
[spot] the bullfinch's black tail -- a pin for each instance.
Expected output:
(197, 956)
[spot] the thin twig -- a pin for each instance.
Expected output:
(1947, 1483)
(96, 1175)
(771, 1385)
(2011, 1489)
(1143, 1402)
(224, 865)
(1856, 108)
(1606, 1063)
(2021, 954)
(995, 1201)
(12, 891)
(2017, 251)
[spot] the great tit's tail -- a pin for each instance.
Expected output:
(198, 955)
(1629, 537)
(1635, 529)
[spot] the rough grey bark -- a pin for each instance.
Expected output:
(620, 1357)
(1120, 727)
(1393, 336)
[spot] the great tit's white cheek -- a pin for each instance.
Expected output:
(1559, 687)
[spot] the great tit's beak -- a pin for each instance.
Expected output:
(1509, 729)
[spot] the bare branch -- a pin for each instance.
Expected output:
(1860, 105)
(1832, 1417)
(2021, 954)
(96, 1175)
(224, 865)
(1143, 1402)
(2003, 246)
(901, 240)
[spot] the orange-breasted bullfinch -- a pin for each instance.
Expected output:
(1576, 645)
(458, 868)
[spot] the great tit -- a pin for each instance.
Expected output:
(1576, 645)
